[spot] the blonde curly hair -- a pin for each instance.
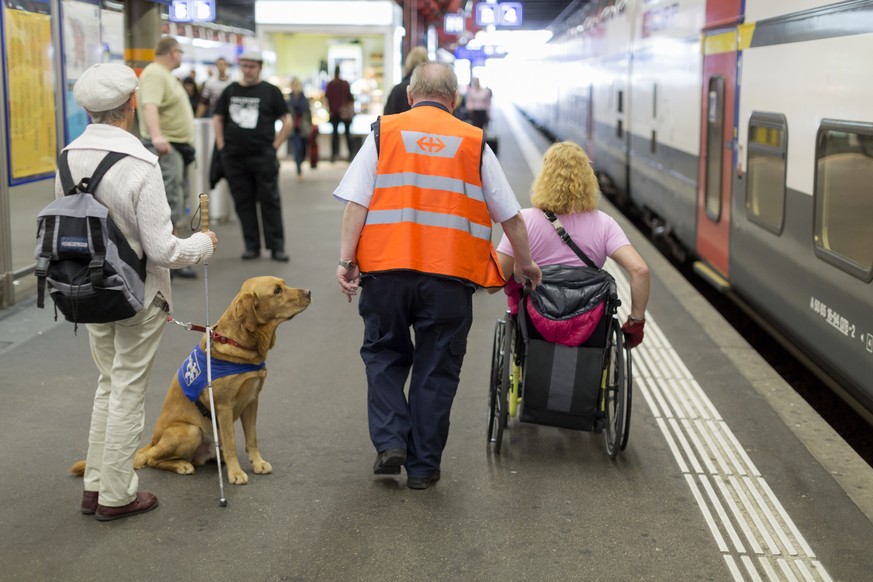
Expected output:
(566, 183)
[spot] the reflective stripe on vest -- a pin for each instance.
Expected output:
(428, 211)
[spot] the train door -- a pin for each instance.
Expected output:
(718, 131)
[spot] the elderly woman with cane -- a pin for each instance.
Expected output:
(123, 351)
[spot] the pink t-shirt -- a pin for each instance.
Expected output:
(594, 232)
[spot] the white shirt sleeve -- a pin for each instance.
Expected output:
(360, 179)
(501, 200)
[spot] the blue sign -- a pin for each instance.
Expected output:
(486, 14)
(192, 11)
(511, 13)
(500, 14)
(453, 23)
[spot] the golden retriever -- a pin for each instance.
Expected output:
(183, 436)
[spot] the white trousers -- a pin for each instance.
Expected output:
(124, 352)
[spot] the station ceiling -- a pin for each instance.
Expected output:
(537, 14)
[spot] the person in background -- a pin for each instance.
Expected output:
(212, 89)
(567, 186)
(190, 86)
(301, 117)
(341, 105)
(478, 103)
(166, 124)
(123, 351)
(419, 269)
(398, 101)
(245, 136)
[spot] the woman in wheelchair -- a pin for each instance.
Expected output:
(567, 187)
(563, 361)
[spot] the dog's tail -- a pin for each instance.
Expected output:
(139, 460)
(78, 467)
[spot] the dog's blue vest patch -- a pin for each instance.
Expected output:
(192, 374)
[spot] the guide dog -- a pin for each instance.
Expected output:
(243, 335)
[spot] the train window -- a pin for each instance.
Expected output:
(620, 102)
(843, 205)
(714, 139)
(765, 178)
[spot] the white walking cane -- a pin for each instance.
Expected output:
(204, 226)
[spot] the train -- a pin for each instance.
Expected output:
(742, 132)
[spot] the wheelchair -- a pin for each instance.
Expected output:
(586, 388)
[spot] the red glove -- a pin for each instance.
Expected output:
(633, 332)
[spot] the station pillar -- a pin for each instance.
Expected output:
(142, 30)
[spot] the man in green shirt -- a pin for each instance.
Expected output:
(166, 124)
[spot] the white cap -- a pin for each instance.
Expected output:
(105, 86)
(252, 56)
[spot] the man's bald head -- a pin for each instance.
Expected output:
(433, 82)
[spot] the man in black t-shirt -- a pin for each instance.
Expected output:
(245, 134)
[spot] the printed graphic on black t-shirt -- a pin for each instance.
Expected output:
(244, 111)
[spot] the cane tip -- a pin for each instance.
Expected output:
(222, 502)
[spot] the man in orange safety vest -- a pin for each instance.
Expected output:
(421, 195)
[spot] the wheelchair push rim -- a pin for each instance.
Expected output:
(616, 393)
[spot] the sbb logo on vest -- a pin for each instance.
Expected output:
(430, 144)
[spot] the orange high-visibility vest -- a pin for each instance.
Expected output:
(428, 212)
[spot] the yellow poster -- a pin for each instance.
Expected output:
(31, 86)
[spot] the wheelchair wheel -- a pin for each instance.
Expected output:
(616, 393)
(494, 378)
(630, 390)
(498, 394)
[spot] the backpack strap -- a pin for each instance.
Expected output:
(45, 255)
(565, 236)
(89, 185)
(67, 183)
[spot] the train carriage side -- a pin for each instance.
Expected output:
(801, 239)
(608, 54)
(664, 130)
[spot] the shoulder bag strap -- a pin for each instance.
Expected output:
(565, 236)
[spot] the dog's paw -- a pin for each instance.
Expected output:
(237, 477)
(184, 468)
(262, 467)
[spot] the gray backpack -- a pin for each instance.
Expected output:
(91, 272)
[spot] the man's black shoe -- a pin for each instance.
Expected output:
(280, 256)
(184, 273)
(250, 254)
(389, 462)
(423, 482)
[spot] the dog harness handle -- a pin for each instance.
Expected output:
(216, 337)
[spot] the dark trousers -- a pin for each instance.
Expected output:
(334, 137)
(480, 118)
(254, 181)
(440, 312)
(298, 143)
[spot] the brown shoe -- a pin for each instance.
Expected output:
(89, 502)
(144, 501)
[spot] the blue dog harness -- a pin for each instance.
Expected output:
(192, 374)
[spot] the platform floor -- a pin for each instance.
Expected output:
(727, 476)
